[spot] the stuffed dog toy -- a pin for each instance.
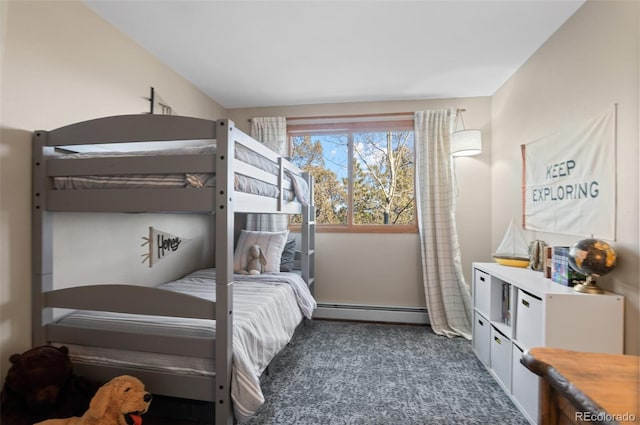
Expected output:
(256, 261)
(120, 401)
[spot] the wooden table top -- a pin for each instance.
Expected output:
(591, 381)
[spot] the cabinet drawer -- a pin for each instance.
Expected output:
(524, 385)
(482, 291)
(529, 322)
(501, 357)
(481, 338)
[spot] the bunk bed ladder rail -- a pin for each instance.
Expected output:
(41, 242)
(308, 238)
(224, 234)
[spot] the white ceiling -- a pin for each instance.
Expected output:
(268, 53)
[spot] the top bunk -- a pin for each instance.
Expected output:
(108, 165)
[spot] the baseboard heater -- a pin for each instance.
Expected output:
(372, 313)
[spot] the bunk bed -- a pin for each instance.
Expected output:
(228, 181)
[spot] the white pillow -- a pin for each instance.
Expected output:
(271, 243)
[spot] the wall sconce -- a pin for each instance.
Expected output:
(465, 142)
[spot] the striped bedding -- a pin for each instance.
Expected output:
(267, 309)
(164, 181)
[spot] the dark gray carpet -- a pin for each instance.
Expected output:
(335, 373)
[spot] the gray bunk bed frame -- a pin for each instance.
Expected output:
(222, 201)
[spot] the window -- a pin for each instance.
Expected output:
(363, 173)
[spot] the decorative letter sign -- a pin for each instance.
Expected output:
(160, 244)
(569, 180)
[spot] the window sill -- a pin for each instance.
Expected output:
(381, 228)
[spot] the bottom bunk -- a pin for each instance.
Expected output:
(267, 309)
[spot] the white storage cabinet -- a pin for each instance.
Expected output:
(515, 309)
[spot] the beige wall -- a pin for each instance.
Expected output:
(384, 269)
(61, 64)
(588, 65)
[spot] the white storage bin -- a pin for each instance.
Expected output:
(529, 323)
(501, 358)
(524, 385)
(482, 291)
(481, 338)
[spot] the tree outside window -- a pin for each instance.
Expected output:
(363, 175)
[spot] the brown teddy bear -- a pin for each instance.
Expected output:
(40, 384)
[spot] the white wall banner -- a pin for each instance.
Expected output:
(569, 180)
(161, 244)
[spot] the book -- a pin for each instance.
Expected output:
(560, 265)
(506, 304)
(548, 254)
(561, 270)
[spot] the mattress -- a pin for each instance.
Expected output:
(181, 180)
(267, 310)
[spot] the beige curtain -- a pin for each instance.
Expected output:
(447, 294)
(272, 132)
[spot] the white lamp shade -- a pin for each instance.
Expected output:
(466, 143)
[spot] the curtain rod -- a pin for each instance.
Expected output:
(386, 114)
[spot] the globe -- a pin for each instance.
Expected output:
(593, 258)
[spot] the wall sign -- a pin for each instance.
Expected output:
(161, 244)
(158, 106)
(569, 180)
